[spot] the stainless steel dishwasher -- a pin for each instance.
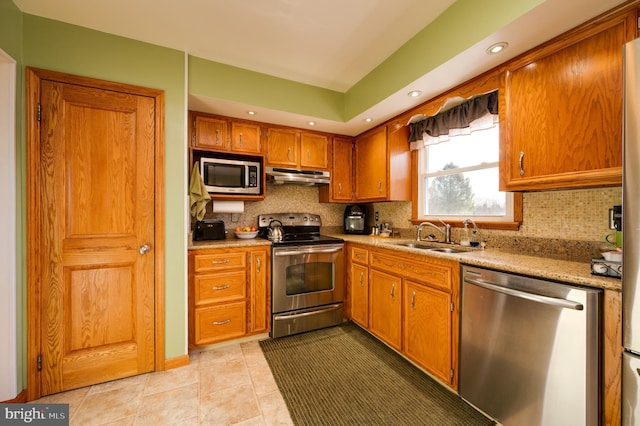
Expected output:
(529, 349)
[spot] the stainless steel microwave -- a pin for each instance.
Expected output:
(231, 176)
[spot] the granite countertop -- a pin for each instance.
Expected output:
(540, 267)
(566, 271)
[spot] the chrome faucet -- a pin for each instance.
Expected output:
(476, 230)
(445, 230)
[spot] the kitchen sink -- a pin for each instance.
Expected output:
(430, 247)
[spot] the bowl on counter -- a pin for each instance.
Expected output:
(246, 235)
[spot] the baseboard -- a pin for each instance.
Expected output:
(180, 361)
(21, 398)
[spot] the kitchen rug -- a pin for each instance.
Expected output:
(344, 376)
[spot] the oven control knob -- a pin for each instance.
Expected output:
(305, 218)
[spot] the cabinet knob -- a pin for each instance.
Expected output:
(144, 249)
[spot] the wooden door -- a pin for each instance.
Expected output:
(360, 294)
(93, 226)
(313, 151)
(245, 138)
(282, 148)
(428, 329)
(385, 307)
(341, 175)
(209, 133)
(371, 165)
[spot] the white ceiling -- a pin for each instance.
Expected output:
(329, 43)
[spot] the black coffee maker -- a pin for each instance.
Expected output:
(355, 219)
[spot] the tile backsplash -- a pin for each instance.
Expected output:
(576, 215)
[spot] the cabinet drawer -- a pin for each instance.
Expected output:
(219, 261)
(221, 322)
(360, 255)
(434, 275)
(220, 287)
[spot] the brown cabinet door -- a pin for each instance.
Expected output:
(260, 316)
(371, 166)
(314, 151)
(562, 114)
(360, 294)
(282, 148)
(245, 138)
(96, 235)
(342, 173)
(385, 307)
(209, 133)
(428, 330)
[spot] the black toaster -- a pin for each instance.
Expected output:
(209, 229)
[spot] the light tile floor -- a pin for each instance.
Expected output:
(225, 385)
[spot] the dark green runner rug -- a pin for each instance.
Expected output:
(344, 376)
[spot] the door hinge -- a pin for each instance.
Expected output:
(39, 113)
(39, 362)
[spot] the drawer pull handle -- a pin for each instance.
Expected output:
(259, 264)
(220, 287)
(220, 262)
(413, 300)
(241, 139)
(361, 279)
(340, 189)
(393, 291)
(360, 256)
(221, 322)
(380, 186)
(520, 161)
(289, 154)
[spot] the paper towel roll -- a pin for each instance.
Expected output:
(228, 206)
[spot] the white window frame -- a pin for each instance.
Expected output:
(423, 175)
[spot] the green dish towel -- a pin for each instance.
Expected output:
(198, 195)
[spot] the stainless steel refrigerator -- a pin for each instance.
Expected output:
(631, 239)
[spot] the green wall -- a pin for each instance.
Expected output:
(71, 49)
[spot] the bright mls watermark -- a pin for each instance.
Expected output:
(34, 414)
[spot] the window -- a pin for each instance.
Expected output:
(459, 179)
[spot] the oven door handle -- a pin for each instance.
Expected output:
(309, 251)
(307, 313)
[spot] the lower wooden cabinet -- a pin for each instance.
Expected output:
(228, 294)
(385, 303)
(410, 302)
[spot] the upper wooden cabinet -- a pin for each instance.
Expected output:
(382, 164)
(561, 110)
(208, 132)
(297, 149)
(214, 133)
(245, 138)
(341, 187)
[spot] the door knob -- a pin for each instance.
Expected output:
(144, 249)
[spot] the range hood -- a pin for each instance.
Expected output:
(278, 175)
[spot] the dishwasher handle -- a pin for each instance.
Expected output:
(563, 303)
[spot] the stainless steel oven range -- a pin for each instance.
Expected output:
(307, 274)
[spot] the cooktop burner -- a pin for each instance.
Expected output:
(299, 229)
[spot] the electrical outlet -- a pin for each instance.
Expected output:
(378, 216)
(235, 217)
(611, 224)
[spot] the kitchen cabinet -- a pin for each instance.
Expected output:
(341, 187)
(209, 132)
(358, 285)
(215, 133)
(292, 148)
(245, 138)
(385, 304)
(429, 310)
(382, 164)
(228, 294)
(561, 110)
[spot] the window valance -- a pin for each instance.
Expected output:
(479, 112)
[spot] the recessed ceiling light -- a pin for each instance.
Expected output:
(497, 48)
(251, 112)
(368, 119)
(311, 123)
(414, 93)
